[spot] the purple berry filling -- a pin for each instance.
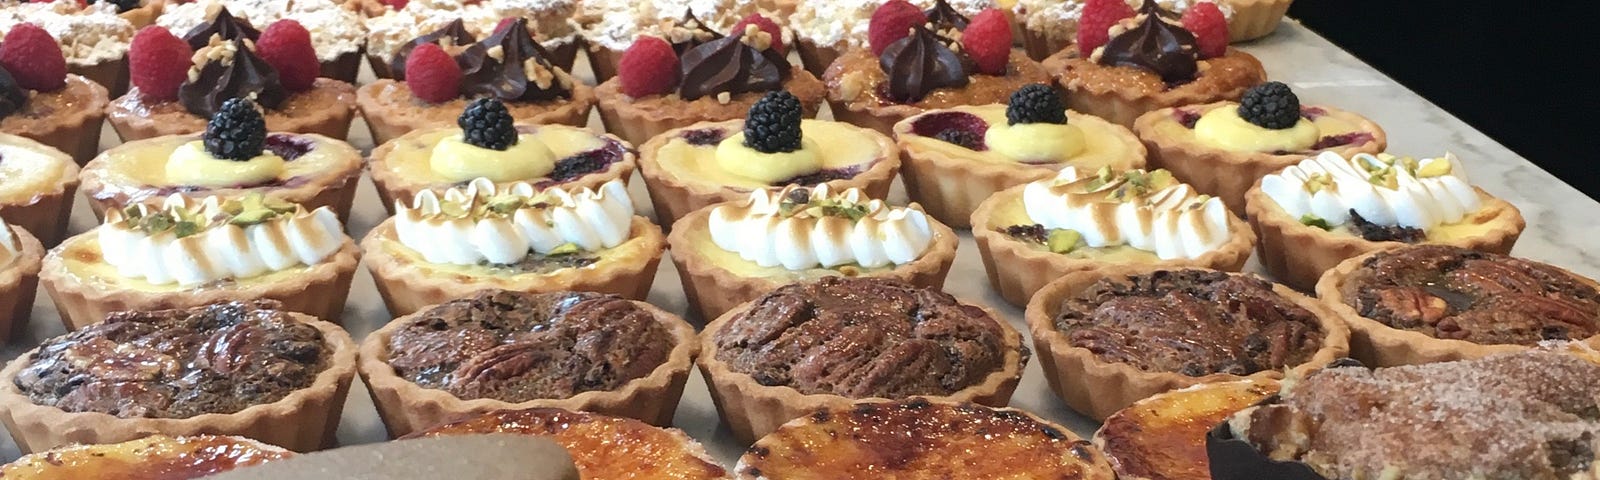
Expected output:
(824, 176)
(290, 147)
(705, 137)
(958, 128)
(1187, 118)
(1312, 113)
(1352, 138)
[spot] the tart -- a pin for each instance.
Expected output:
(931, 67)
(393, 33)
(238, 368)
(956, 158)
(156, 457)
(1223, 148)
(94, 36)
(541, 155)
(63, 112)
(610, 27)
(1434, 303)
(436, 249)
(919, 438)
(1519, 415)
(1253, 19)
(638, 104)
(36, 194)
(734, 252)
(1164, 437)
(1151, 62)
(690, 168)
(1312, 215)
(337, 31)
(837, 340)
(823, 31)
(1112, 337)
(183, 252)
(1050, 26)
(20, 257)
(613, 448)
(499, 350)
(509, 66)
(1032, 234)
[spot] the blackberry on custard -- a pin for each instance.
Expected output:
(487, 124)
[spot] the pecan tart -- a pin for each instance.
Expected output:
(20, 257)
(1111, 337)
(156, 457)
(694, 167)
(918, 438)
(956, 158)
(834, 341)
(482, 237)
(733, 252)
(183, 252)
(1164, 437)
(64, 112)
(238, 368)
(499, 350)
(37, 184)
(1312, 215)
(1432, 303)
(1032, 234)
(612, 448)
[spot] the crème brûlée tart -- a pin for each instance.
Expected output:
(1164, 437)
(64, 113)
(156, 457)
(603, 446)
(503, 350)
(1312, 215)
(37, 184)
(499, 150)
(921, 439)
(446, 246)
(1432, 303)
(733, 252)
(1080, 220)
(183, 252)
(20, 258)
(694, 167)
(233, 368)
(1111, 337)
(958, 157)
(837, 340)
(1222, 148)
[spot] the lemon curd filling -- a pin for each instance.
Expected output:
(26, 172)
(737, 159)
(833, 145)
(1035, 140)
(147, 162)
(456, 160)
(1014, 213)
(1223, 128)
(1084, 141)
(191, 164)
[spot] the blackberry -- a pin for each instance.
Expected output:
(12, 96)
(964, 138)
(487, 124)
(1270, 105)
(773, 124)
(122, 5)
(237, 131)
(1036, 103)
(579, 165)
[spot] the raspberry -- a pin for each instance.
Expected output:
(1095, 23)
(766, 25)
(286, 45)
(891, 22)
(1270, 105)
(1036, 103)
(504, 22)
(987, 41)
(395, 4)
(34, 58)
(1210, 29)
(237, 131)
(487, 124)
(158, 62)
(773, 124)
(649, 67)
(432, 75)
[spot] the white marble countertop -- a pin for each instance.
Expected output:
(1558, 231)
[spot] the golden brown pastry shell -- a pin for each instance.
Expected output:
(1118, 94)
(326, 109)
(630, 119)
(1254, 19)
(852, 104)
(1163, 437)
(45, 215)
(303, 421)
(18, 282)
(406, 407)
(1097, 388)
(74, 130)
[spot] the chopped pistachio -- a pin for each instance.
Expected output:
(504, 204)
(252, 217)
(1315, 221)
(1063, 240)
(453, 209)
(186, 228)
(156, 223)
(1160, 178)
(1437, 168)
(1317, 182)
(565, 249)
(1384, 178)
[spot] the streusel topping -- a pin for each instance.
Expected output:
(335, 30)
(89, 36)
(548, 18)
(842, 24)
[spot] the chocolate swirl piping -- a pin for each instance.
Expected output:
(1155, 44)
(512, 67)
(12, 96)
(730, 65)
(456, 31)
(241, 76)
(697, 34)
(945, 17)
(919, 64)
(223, 25)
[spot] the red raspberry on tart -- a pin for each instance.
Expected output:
(41, 101)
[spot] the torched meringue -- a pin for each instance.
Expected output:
(1383, 189)
(9, 246)
(1144, 210)
(800, 228)
(194, 242)
(484, 223)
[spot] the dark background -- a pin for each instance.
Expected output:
(1521, 71)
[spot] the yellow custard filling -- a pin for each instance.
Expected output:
(26, 171)
(1098, 144)
(835, 145)
(635, 247)
(191, 164)
(1014, 213)
(413, 155)
(83, 260)
(455, 159)
(700, 240)
(146, 162)
(1227, 133)
(1471, 226)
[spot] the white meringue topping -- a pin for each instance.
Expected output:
(1145, 210)
(483, 224)
(830, 231)
(210, 243)
(1383, 189)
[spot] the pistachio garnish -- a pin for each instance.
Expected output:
(568, 248)
(1437, 168)
(1062, 240)
(1315, 221)
(821, 207)
(1317, 182)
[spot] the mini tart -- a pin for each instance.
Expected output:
(391, 110)
(857, 90)
(1164, 437)
(637, 120)
(304, 420)
(19, 280)
(1254, 19)
(39, 185)
(1169, 134)
(919, 438)
(603, 446)
(326, 109)
(320, 172)
(950, 180)
(1097, 388)
(680, 169)
(1122, 94)
(407, 407)
(68, 119)
(400, 168)
(1380, 345)
(155, 457)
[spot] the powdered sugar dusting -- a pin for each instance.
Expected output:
(842, 24)
(89, 36)
(1058, 19)
(548, 19)
(614, 24)
(335, 30)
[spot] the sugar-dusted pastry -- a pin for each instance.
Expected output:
(613, 448)
(824, 31)
(49, 105)
(37, 191)
(609, 27)
(156, 457)
(20, 257)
